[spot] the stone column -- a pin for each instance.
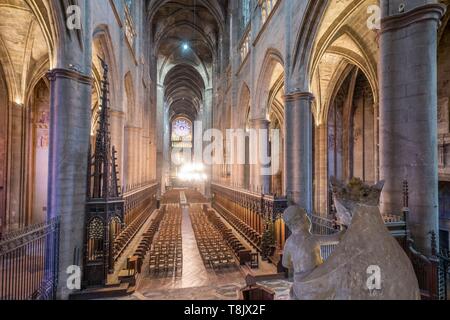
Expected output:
(408, 115)
(160, 136)
(321, 170)
(207, 124)
(260, 180)
(69, 144)
(166, 160)
(298, 149)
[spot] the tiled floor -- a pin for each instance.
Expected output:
(194, 271)
(197, 282)
(212, 292)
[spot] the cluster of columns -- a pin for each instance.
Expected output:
(408, 134)
(408, 123)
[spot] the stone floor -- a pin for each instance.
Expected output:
(197, 282)
(212, 292)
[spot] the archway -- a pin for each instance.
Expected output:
(242, 170)
(351, 132)
(187, 42)
(343, 79)
(276, 136)
(270, 106)
(25, 57)
(39, 147)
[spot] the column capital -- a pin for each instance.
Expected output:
(433, 11)
(59, 73)
(262, 121)
(298, 95)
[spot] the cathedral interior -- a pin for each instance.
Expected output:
(167, 149)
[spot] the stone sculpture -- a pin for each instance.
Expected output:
(367, 264)
(303, 261)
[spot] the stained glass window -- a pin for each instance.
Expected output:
(182, 128)
(182, 133)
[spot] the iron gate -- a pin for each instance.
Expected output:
(444, 274)
(28, 262)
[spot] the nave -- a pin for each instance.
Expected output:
(209, 267)
(250, 106)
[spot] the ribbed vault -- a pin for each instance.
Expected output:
(186, 42)
(184, 89)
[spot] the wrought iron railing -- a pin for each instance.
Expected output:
(444, 273)
(240, 202)
(325, 227)
(427, 272)
(28, 262)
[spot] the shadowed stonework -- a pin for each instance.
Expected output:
(345, 274)
(246, 107)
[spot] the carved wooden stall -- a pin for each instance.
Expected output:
(139, 205)
(105, 205)
(112, 218)
(249, 213)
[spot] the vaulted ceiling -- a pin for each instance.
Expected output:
(343, 40)
(23, 49)
(184, 89)
(186, 41)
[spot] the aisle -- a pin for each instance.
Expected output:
(194, 271)
(196, 282)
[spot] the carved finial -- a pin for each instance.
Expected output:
(433, 243)
(405, 194)
(103, 63)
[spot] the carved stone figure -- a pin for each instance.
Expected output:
(367, 264)
(303, 261)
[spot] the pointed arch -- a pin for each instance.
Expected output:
(103, 47)
(271, 71)
(213, 6)
(244, 106)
